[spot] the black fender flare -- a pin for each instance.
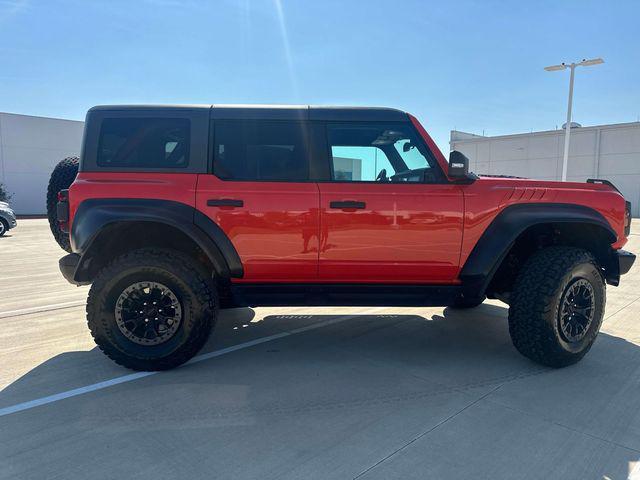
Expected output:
(94, 215)
(509, 224)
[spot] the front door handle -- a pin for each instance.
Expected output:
(344, 204)
(224, 202)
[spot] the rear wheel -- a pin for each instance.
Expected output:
(557, 306)
(61, 178)
(151, 309)
(3, 227)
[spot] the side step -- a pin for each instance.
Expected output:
(320, 295)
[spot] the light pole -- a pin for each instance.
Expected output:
(567, 126)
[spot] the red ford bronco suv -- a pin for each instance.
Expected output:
(177, 211)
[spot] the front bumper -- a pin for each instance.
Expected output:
(68, 266)
(625, 261)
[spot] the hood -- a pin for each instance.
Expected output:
(589, 184)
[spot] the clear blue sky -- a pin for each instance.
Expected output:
(469, 65)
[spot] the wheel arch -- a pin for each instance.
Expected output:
(523, 228)
(105, 228)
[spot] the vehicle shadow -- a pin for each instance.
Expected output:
(369, 372)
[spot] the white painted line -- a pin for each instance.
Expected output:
(635, 473)
(42, 308)
(20, 407)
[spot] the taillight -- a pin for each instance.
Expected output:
(627, 219)
(62, 210)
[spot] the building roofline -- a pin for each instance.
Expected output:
(41, 116)
(477, 138)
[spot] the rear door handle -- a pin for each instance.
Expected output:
(343, 204)
(224, 202)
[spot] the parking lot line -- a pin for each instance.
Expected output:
(42, 308)
(20, 407)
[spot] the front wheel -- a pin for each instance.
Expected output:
(557, 306)
(3, 227)
(151, 309)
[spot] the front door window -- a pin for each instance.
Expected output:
(379, 152)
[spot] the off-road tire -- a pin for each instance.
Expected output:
(4, 227)
(61, 178)
(536, 299)
(180, 273)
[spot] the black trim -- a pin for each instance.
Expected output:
(625, 261)
(258, 112)
(497, 239)
(307, 112)
(320, 166)
(284, 294)
(222, 242)
(601, 181)
(357, 114)
(347, 204)
(62, 207)
(627, 218)
(224, 202)
(68, 266)
(94, 215)
(270, 112)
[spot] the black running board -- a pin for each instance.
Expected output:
(320, 295)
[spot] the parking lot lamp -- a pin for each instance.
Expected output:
(567, 126)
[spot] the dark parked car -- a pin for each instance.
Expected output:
(7, 218)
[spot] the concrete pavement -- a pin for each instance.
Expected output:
(310, 392)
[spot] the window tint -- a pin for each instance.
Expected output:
(144, 143)
(260, 151)
(379, 152)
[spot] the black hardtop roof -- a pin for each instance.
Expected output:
(276, 112)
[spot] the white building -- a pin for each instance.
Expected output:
(611, 152)
(29, 149)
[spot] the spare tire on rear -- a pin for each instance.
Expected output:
(61, 178)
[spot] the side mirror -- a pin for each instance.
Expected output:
(458, 165)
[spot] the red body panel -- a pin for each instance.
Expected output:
(487, 197)
(407, 233)
(276, 230)
(161, 186)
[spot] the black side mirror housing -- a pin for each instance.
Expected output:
(459, 167)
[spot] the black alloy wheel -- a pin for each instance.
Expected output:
(576, 310)
(148, 313)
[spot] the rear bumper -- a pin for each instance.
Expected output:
(625, 261)
(68, 265)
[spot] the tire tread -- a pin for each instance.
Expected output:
(61, 178)
(533, 300)
(178, 264)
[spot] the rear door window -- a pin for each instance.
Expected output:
(145, 143)
(261, 151)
